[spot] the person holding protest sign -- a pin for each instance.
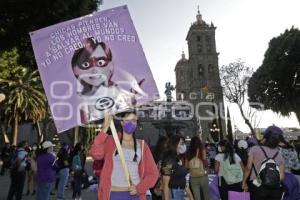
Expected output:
(93, 67)
(143, 172)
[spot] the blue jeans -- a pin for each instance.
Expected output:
(43, 191)
(176, 194)
(63, 175)
(77, 184)
(17, 184)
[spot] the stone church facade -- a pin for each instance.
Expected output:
(198, 79)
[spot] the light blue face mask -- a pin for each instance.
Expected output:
(50, 149)
(182, 149)
(220, 149)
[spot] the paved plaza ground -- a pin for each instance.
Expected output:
(86, 194)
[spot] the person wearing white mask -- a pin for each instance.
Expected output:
(242, 151)
(174, 172)
(182, 148)
(31, 172)
(18, 172)
(220, 149)
(230, 169)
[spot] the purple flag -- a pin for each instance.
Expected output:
(92, 65)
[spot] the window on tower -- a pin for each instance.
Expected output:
(200, 69)
(182, 77)
(208, 47)
(198, 38)
(180, 96)
(208, 43)
(208, 39)
(199, 48)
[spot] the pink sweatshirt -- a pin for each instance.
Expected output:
(104, 148)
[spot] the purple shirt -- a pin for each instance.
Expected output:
(45, 169)
(259, 157)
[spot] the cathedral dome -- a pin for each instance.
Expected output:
(183, 61)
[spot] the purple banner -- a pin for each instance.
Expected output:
(92, 65)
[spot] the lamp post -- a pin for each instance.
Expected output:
(2, 97)
(214, 129)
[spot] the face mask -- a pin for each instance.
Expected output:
(27, 148)
(129, 127)
(50, 150)
(34, 148)
(66, 147)
(182, 149)
(219, 149)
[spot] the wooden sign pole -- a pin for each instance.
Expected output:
(120, 152)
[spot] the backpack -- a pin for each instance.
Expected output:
(196, 167)
(232, 173)
(97, 167)
(269, 173)
(76, 163)
(11, 163)
(15, 162)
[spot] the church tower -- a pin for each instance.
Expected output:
(198, 79)
(182, 76)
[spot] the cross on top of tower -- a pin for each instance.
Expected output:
(183, 55)
(199, 16)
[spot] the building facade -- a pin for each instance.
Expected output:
(198, 79)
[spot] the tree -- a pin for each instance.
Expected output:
(18, 18)
(23, 90)
(8, 59)
(253, 114)
(234, 79)
(276, 83)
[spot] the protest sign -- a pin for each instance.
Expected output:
(92, 65)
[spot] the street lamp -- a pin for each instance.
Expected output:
(214, 130)
(2, 97)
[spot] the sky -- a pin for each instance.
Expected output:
(244, 29)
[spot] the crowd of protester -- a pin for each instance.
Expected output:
(184, 169)
(39, 170)
(250, 169)
(174, 169)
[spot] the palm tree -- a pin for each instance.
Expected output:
(25, 97)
